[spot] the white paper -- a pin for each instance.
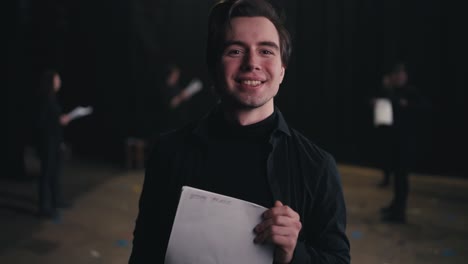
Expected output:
(193, 87)
(79, 111)
(383, 112)
(210, 228)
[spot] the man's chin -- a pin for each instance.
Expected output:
(246, 103)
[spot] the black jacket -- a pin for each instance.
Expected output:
(299, 173)
(49, 133)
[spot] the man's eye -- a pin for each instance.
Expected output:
(234, 52)
(267, 52)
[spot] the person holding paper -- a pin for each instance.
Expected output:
(173, 112)
(175, 98)
(397, 139)
(383, 121)
(50, 140)
(245, 149)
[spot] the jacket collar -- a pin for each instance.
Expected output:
(201, 130)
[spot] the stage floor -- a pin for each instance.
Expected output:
(98, 229)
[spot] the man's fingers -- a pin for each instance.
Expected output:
(283, 241)
(280, 210)
(281, 225)
(278, 221)
(272, 232)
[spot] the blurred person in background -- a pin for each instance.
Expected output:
(383, 122)
(407, 105)
(175, 97)
(172, 98)
(50, 145)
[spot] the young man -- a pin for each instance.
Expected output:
(408, 105)
(245, 149)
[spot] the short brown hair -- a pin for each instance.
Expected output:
(221, 15)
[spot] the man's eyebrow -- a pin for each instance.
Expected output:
(261, 43)
(269, 44)
(233, 42)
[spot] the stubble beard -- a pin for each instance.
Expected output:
(245, 101)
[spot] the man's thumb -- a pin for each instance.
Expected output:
(278, 204)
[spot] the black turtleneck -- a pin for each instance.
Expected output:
(236, 163)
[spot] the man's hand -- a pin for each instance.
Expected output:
(175, 101)
(281, 226)
(64, 120)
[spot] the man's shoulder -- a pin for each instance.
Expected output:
(303, 144)
(310, 148)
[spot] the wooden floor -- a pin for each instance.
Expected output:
(98, 229)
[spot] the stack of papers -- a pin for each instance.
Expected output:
(211, 228)
(193, 87)
(383, 112)
(80, 111)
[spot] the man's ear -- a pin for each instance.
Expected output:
(283, 71)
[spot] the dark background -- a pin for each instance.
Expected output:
(110, 54)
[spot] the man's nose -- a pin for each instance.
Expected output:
(251, 62)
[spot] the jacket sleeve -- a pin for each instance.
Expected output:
(157, 205)
(325, 239)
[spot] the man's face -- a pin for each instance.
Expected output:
(400, 78)
(173, 77)
(251, 69)
(57, 82)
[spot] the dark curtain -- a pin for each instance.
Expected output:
(342, 49)
(111, 54)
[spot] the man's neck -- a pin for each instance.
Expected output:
(245, 117)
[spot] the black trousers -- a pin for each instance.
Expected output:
(384, 150)
(395, 154)
(50, 192)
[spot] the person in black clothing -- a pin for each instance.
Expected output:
(245, 149)
(407, 105)
(175, 99)
(50, 140)
(171, 95)
(383, 133)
